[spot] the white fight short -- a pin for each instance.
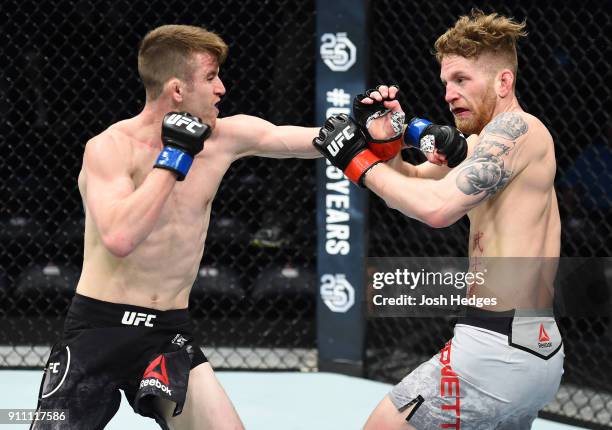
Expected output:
(495, 373)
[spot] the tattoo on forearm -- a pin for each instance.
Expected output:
(509, 125)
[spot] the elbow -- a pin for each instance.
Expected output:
(118, 244)
(442, 216)
(434, 214)
(432, 208)
(438, 219)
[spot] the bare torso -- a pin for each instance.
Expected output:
(515, 235)
(159, 273)
(145, 231)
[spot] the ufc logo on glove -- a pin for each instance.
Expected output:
(180, 120)
(338, 142)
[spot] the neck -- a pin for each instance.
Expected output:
(150, 121)
(508, 104)
(155, 110)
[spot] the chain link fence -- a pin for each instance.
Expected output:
(69, 71)
(563, 79)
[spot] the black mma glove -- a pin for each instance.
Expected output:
(342, 142)
(426, 136)
(183, 136)
(365, 113)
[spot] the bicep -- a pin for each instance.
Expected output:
(255, 136)
(108, 179)
(478, 178)
(493, 163)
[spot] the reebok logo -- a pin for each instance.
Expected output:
(543, 338)
(155, 383)
(152, 372)
(338, 142)
(543, 335)
(135, 318)
(155, 375)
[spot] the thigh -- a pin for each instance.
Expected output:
(445, 398)
(517, 422)
(207, 406)
(81, 398)
(386, 416)
(429, 396)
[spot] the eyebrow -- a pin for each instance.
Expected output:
(453, 75)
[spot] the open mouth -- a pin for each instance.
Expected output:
(459, 111)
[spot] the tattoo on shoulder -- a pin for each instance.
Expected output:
(488, 146)
(484, 172)
(509, 125)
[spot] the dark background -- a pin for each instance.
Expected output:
(69, 71)
(564, 80)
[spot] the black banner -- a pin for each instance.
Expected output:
(341, 205)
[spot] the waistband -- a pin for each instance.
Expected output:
(500, 322)
(111, 314)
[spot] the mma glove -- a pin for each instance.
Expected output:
(342, 142)
(183, 136)
(385, 149)
(426, 136)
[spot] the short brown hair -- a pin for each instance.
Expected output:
(166, 51)
(479, 34)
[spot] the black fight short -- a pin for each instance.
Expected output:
(107, 347)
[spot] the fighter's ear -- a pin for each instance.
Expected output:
(175, 89)
(504, 83)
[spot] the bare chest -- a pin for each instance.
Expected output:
(191, 198)
(509, 222)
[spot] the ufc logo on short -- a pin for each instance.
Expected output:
(337, 144)
(179, 120)
(135, 318)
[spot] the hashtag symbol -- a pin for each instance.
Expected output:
(338, 97)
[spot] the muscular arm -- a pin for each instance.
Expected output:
(439, 203)
(123, 215)
(254, 136)
(427, 169)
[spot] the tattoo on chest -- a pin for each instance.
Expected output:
(476, 265)
(476, 241)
